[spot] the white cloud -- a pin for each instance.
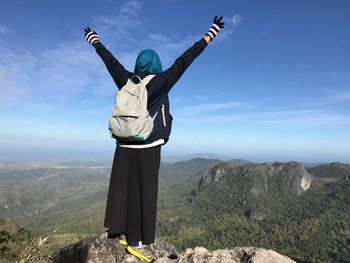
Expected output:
(230, 24)
(169, 47)
(68, 69)
(122, 22)
(340, 95)
(131, 7)
(203, 97)
(236, 20)
(16, 84)
(54, 76)
(224, 34)
(304, 116)
(239, 112)
(205, 108)
(157, 38)
(71, 69)
(4, 29)
(4, 88)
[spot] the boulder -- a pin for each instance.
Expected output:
(101, 249)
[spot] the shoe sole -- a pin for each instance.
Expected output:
(122, 242)
(138, 255)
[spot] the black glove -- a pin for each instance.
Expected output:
(215, 28)
(91, 36)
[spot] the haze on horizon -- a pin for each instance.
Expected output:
(274, 86)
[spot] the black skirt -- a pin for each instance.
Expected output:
(132, 195)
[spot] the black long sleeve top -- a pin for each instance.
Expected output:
(157, 89)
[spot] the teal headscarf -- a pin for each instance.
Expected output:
(148, 61)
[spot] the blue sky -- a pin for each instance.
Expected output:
(274, 85)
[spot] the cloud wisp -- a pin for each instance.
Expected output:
(234, 111)
(231, 23)
(236, 20)
(205, 108)
(64, 71)
(70, 69)
(120, 24)
(4, 29)
(52, 75)
(340, 95)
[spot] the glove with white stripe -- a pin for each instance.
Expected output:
(215, 28)
(91, 36)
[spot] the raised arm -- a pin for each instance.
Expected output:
(115, 69)
(173, 74)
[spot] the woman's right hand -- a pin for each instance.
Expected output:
(215, 28)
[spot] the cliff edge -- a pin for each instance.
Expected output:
(101, 249)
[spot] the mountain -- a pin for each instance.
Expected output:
(178, 158)
(266, 177)
(255, 190)
(303, 213)
(174, 173)
(331, 170)
(239, 161)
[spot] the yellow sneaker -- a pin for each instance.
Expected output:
(141, 252)
(122, 240)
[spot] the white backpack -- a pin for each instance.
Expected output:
(130, 119)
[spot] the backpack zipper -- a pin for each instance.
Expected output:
(163, 114)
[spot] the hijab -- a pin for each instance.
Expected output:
(148, 61)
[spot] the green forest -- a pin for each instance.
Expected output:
(246, 205)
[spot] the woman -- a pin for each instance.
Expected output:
(133, 188)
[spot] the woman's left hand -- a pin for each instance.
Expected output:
(91, 36)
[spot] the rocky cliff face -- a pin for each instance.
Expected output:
(104, 250)
(292, 175)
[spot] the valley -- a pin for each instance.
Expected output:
(302, 212)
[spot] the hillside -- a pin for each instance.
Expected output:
(175, 173)
(300, 212)
(13, 241)
(281, 206)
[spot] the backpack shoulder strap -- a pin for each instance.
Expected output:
(147, 79)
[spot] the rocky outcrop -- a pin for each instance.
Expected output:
(215, 173)
(236, 255)
(104, 250)
(292, 176)
(300, 180)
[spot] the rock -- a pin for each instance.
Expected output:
(200, 254)
(215, 173)
(90, 250)
(258, 255)
(173, 219)
(105, 250)
(162, 248)
(236, 255)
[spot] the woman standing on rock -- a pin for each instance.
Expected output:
(133, 187)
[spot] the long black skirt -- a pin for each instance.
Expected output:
(132, 195)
